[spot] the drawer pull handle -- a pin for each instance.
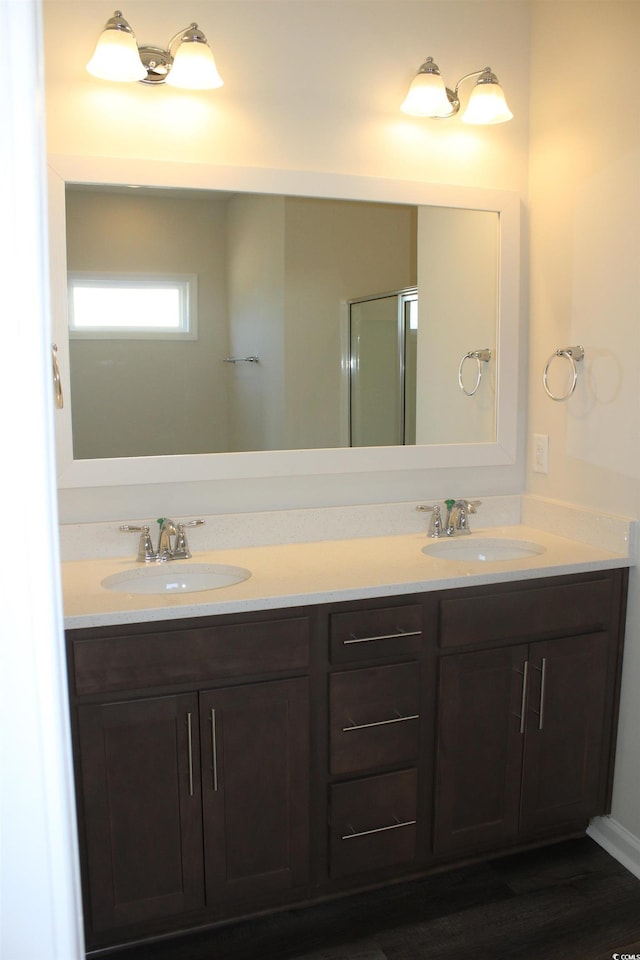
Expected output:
(367, 833)
(384, 636)
(190, 749)
(380, 723)
(214, 752)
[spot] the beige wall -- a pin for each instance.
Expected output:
(585, 286)
(309, 85)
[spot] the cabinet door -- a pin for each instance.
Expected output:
(255, 742)
(479, 749)
(566, 738)
(142, 809)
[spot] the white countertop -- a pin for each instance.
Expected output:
(295, 574)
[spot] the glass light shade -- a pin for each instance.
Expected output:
(194, 67)
(487, 105)
(427, 97)
(116, 57)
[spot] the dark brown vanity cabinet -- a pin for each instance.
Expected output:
(231, 765)
(525, 729)
(195, 804)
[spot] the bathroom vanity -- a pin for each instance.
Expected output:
(246, 752)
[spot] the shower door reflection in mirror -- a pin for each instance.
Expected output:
(383, 333)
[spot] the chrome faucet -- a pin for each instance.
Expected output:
(168, 548)
(167, 530)
(457, 518)
(458, 511)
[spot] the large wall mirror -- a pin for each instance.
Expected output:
(331, 319)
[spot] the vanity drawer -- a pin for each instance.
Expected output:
(373, 823)
(193, 655)
(381, 632)
(561, 610)
(374, 717)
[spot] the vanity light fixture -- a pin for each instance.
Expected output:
(187, 61)
(429, 97)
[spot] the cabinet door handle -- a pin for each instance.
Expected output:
(367, 833)
(383, 636)
(190, 748)
(523, 699)
(543, 684)
(380, 723)
(214, 751)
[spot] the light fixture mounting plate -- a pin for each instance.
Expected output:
(157, 63)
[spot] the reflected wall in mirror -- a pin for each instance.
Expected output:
(274, 277)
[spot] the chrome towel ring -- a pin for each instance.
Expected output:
(480, 356)
(573, 355)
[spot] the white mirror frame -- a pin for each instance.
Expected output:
(280, 463)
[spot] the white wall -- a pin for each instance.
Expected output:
(39, 877)
(311, 85)
(585, 288)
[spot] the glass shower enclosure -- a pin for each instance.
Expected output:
(383, 334)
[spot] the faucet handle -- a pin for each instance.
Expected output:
(181, 549)
(145, 546)
(435, 524)
(468, 505)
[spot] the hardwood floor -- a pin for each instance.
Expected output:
(566, 902)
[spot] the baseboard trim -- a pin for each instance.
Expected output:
(618, 841)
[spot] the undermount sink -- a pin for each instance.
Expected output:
(482, 549)
(175, 577)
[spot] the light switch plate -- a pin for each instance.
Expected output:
(540, 453)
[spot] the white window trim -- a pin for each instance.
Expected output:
(186, 283)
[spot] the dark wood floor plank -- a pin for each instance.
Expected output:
(571, 901)
(555, 924)
(559, 863)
